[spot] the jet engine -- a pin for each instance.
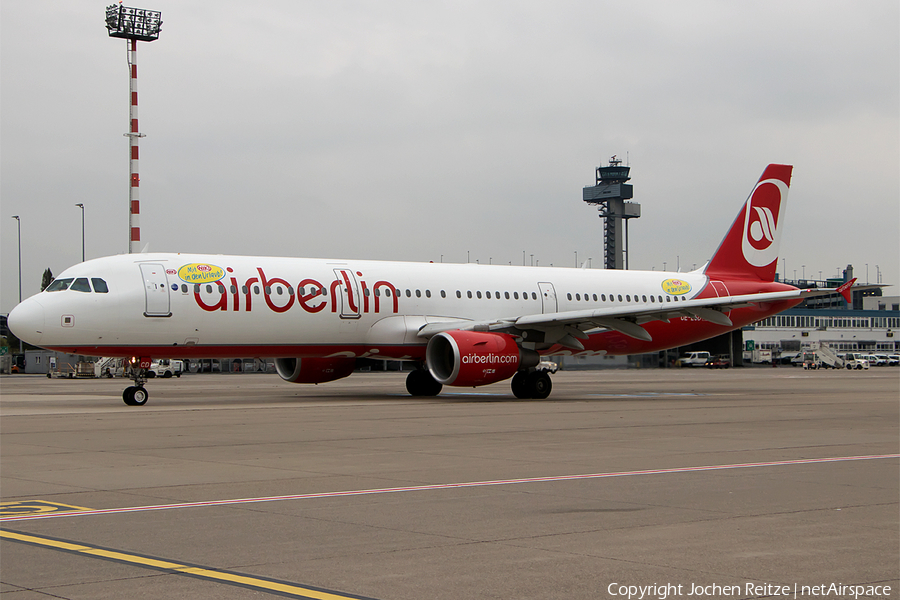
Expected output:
(471, 358)
(313, 370)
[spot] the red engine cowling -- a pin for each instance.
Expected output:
(470, 358)
(313, 370)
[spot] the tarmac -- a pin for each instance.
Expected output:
(739, 483)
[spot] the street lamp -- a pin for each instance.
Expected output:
(81, 206)
(19, 228)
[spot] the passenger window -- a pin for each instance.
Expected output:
(516, 295)
(497, 295)
(506, 295)
(428, 293)
(418, 293)
(595, 297)
(488, 295)
(443, 294)
(59, 285)
(184, 288)
(99, 285)
(620, 297)
(81, 285)
(458, 294)
(268, 290)
(534, 295)
(256, 289)
(652, 298)
(569, 296)
(668, 298)
(469, 293)
(627, 298)
(644, 298)
(208, 289)
(233, 289)
(478, 293)
(409, 293)
(603, 297)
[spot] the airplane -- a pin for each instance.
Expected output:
(461, 324)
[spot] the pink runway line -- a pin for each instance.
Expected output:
(442, 486)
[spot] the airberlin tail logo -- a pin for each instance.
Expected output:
(761, 222)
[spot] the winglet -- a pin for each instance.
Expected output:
(844, 290)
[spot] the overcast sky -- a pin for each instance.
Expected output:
(416, 130)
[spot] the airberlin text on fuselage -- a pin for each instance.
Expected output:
(237, 296)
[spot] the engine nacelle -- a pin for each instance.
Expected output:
(470, 358)
(313, 370)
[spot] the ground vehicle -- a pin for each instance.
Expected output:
(893, 360)
(880, 360)
(166, 367)
(694, 359)
(856, 361)
(718, 362)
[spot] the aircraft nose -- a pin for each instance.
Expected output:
(27, 321)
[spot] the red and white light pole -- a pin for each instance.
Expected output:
(133, 25)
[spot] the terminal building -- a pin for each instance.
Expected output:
(868, 324)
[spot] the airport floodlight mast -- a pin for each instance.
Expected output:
(133, 25)
(609, 195)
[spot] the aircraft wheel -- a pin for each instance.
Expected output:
(420, 383)
(135, 396)
(520, 386)
(539, 385)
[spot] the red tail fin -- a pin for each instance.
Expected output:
(750, 248)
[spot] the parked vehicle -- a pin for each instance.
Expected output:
(893, 360)
(718, 362)
(880, 360)
(165, 368)
(694, 359)
(856, 361)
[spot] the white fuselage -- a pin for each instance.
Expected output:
(189, 305)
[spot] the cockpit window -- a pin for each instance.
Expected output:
(81, 285)
(58, 285)
(99, 285)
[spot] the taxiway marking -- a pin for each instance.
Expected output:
(31, 507)
(446, 486)
(281, 588)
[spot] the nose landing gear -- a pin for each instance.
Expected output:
(137, 395)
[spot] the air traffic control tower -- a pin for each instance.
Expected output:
(609, 195)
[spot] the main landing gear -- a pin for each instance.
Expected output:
(419, 382)
(535, 385)
(136, 395)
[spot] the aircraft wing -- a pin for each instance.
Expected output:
(567, 327)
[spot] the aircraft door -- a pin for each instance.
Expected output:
(348, 292)
(548, 298)
(156, 290)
